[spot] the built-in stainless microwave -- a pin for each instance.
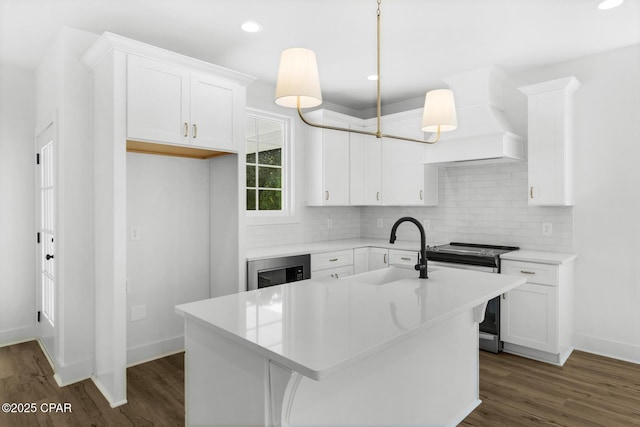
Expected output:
(262, 273)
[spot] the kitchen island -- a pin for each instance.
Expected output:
(378, 348)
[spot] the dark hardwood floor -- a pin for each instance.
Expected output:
(589, 390)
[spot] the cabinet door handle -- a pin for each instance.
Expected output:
(326, 195)
(527, 272)
(384, 258)
(186, 129)
(504, 296)
(195, 131)
(405, 258)
(337, 277)
(531, 192)
(378, 196)
(333, 259)
(420, 194)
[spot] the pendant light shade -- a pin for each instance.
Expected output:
(298, 79)
(439, 111)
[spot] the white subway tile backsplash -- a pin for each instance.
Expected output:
(478, 204)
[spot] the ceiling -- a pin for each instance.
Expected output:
(422, 40)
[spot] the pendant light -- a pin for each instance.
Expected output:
(298, 86)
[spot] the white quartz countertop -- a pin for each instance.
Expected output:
(319, 327)
(329, 246)
(539, 257)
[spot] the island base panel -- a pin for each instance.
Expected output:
(430, 378)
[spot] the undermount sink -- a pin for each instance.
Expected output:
(386, 275)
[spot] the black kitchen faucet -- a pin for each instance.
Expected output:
(422, 259)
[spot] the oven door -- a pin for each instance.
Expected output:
(490, 327)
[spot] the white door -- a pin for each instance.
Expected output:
(46, 238)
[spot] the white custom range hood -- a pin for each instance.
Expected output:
(483, 134)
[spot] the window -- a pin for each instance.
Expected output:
(269, 187)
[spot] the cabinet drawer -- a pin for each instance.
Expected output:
(336, 273)
(407, 259)
(543, 274)
(335, 259)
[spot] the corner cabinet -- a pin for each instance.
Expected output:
(172, 104)
(537, 317)
(327, 160)
(550, 145)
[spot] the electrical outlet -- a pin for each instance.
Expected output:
(547, 229)
(379, 222)
(329, 223)
(134, 233)
(427, 224)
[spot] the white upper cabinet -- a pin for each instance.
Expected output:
(157, 101)
(172, 104)
(327, 159)
(551, 141)
(365, 175)
(405, 179)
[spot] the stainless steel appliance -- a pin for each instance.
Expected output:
(481, 258)
(275, 271)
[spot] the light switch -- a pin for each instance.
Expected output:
(134, 233)
(547, 229)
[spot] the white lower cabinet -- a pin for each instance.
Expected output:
(537, 317)
(335, 264)
(369, 259)
(530, 317)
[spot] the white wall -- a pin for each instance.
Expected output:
(311, 224)
(168, 199)
(17, 206)
(606, 228)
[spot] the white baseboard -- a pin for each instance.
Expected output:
(616, 350)
(148, 352)
(73, 373)
(105, 392)
(17, 335)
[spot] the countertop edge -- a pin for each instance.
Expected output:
(553, 258)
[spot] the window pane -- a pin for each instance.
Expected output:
(251, 176)
(270, 200)
(270, 157)
(251, 158)
(251, 200)
(269, 177)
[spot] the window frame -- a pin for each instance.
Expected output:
(288, 213)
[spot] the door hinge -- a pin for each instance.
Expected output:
(38, 237)
(38, 316)
(37, 158)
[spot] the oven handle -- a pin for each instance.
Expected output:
(463, 266)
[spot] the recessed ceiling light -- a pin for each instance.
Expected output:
(609, 4)
(373, 77)
(251, 27)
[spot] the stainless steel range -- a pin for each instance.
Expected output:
(478, 257)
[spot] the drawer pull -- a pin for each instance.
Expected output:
(421, 195)
(326, 195)
(531, 192)
(378, 196)
(333, 259)
(384, 259)
(405, 258)
(527, 272)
